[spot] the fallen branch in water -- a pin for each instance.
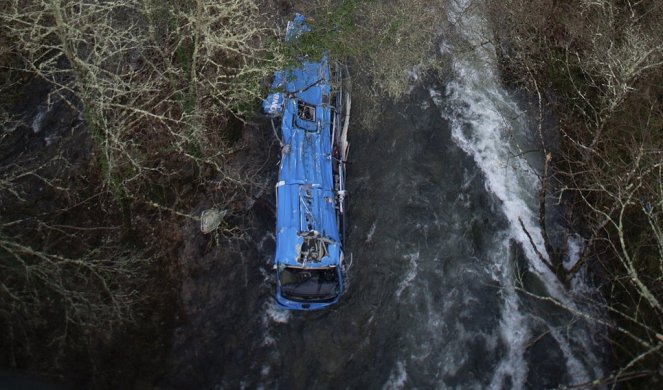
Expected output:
(531, 241)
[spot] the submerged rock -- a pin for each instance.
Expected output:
(210, 219)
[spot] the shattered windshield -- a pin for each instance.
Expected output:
(309, 284)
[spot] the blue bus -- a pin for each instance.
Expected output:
(310, 106)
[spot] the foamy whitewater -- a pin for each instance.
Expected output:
(488, 124)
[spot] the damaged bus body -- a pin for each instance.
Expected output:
(311, 103)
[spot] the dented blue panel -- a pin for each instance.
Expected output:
(273, 104)
(296, 27)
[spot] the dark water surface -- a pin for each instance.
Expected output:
(436, 188)
(430, 301)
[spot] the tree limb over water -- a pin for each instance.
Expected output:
(598, 66)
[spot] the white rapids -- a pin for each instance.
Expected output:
(487, 123)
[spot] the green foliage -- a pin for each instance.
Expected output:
(184, 56)
(332, 31)
(380, 41)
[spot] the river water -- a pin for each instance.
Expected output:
(436, 190)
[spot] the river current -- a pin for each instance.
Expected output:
(436, 189)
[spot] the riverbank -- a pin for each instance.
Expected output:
(596, 67)
(106, 162)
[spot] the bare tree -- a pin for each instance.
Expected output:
(154, 81)
(597, 65)
(164, 89)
